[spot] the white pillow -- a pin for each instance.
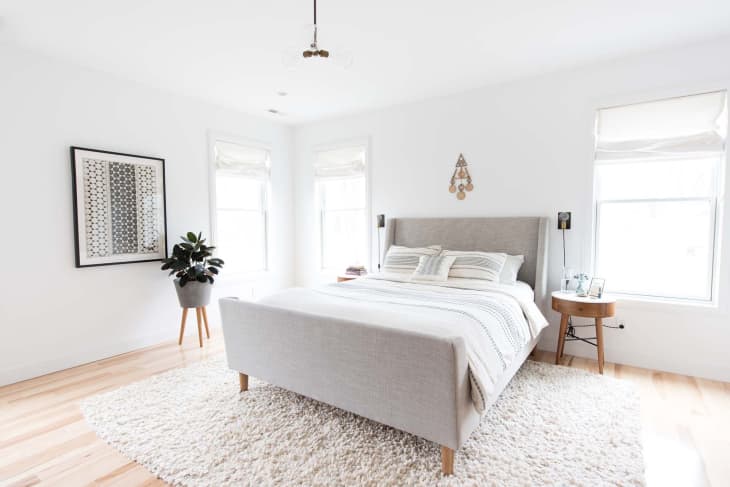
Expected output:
(476, 264)
(404, 260)
(511, 267)
(433, 268)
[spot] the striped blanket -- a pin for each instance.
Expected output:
(496, 324)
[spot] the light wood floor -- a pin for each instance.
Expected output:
(45, 441)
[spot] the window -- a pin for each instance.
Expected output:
(658, 183)
(240, 220)
(341, 192)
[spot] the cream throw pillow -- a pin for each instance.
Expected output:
(433, 268)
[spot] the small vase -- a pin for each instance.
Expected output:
(565, 279)
(193, 294)
(582, 288)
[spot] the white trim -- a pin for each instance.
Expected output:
(712, 298)
(213, 137)
(718, 201)
(83, 355)
(342, 144)
(657, 94)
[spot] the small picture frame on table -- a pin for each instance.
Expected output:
(595, 290)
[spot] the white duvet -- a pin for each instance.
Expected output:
(495, 320)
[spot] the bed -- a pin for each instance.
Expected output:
(423, 358)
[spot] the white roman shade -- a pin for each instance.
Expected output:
(340, 163)
(683, 127)
(236, 159)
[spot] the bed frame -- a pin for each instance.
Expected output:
(415, 382)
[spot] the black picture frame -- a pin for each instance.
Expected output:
(79, 260)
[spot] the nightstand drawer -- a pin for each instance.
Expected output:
(584, 309)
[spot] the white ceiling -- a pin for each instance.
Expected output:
(230, 51)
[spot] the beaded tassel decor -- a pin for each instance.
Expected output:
(461, 175)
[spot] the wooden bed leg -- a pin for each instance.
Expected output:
(243, 380)
(447, 460)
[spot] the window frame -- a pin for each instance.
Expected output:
(718, 201)
(363, 142)
(213, 138)
(713, 238)
(320, 195)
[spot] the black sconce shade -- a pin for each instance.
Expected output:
(381, 221)
(564, 220)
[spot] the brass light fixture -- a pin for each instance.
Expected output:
(293, 57)
(461, 175)
(314, 49)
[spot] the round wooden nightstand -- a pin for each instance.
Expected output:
(569, 304)
(346, 277)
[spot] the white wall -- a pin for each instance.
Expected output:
(529, 145)
(52, 315)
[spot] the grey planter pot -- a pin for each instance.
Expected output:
(193, 294)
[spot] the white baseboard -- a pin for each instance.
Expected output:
(81, 356)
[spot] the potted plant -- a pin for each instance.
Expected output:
(195, 268)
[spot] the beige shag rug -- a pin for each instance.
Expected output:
(551, 426)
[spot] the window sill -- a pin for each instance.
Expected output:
(328, 274)
(633, 301)
(244, 276)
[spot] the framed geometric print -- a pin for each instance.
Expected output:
(119, 207)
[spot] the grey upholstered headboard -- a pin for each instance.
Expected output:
(514, 235)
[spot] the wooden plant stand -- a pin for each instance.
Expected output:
(199, 313)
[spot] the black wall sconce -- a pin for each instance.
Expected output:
(380, 225)
(564, 220)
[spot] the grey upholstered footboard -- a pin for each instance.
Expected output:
(411, 381)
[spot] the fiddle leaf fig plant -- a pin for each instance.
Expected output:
(192, 260)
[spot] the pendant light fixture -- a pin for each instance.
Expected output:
(314, 49)
(339, 57)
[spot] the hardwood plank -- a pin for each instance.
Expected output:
(25, 462)
(45, 440)
(130, 474)
(686, 431)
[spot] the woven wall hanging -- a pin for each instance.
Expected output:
(461, 175)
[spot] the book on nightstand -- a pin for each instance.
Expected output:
(356, 270)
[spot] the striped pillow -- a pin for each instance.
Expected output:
(476, 265)
(404, 260)
(433, 268)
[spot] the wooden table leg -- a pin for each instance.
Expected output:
(243, 381)
(447, 460)
(198, 315)
(182, 325)
(205, 321)
(561, 337)
(599, 342)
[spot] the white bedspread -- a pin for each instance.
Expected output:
(495, 322)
